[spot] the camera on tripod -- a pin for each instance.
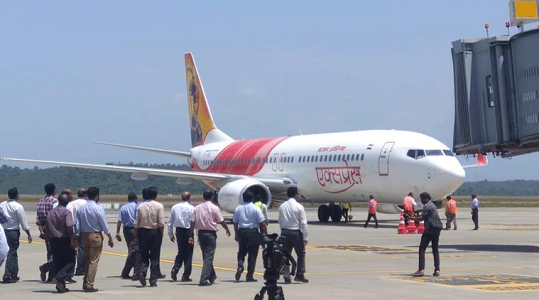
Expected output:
(276, 258)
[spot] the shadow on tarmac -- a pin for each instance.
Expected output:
(493, 248)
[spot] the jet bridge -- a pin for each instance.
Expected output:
(496, 94)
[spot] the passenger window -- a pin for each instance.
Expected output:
(339, 158)
(329, 158)
(308, 158)
(362, 157)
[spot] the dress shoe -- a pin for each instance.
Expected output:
(70, 280)
(153, 284)
(419, 273)
(205, 283)
(301, 279)
(186, 279)
(42, 273)
(61, 287)
(127, 277)
(250, 279)
(79, 274)
(174, 275)
(142, 279)
(238, 273)
(9, 280)
(162, 276)
(90, 290)
(436, 273)
(287, 281)
(212, 280)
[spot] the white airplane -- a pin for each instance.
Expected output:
(326, 168)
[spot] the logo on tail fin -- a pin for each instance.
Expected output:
(200, 119)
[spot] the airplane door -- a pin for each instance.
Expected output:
(383, 162)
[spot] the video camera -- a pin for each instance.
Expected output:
(276, 258)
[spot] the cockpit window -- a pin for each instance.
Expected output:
(448, 153)
(416, 153)
(434, 152)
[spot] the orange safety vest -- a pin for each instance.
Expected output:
(451, 206)
(372, 207)
(408, 204)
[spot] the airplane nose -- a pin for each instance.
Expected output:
(451, 175)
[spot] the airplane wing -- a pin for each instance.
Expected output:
(162, 151)
(142, 173)
(138, 172)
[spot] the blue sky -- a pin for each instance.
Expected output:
(73, 72)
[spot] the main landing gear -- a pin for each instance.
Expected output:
(332, 210)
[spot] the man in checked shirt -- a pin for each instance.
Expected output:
(44, 205)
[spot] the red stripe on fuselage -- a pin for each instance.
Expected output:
(246, 157)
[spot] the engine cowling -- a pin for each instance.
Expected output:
(231, 194)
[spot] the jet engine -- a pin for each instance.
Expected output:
(231, 194)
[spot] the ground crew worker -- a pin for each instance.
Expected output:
(451, 213)
(263, 207)
(372, 212)
(409, 205)
(345, 207)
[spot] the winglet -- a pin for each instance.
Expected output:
(481, 160)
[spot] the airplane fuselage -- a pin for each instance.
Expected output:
(340, 167)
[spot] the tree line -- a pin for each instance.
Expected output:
(31, 181)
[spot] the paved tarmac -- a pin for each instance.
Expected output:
(344, 261)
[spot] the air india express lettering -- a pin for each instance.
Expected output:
(338, 179)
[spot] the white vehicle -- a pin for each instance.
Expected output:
(326, 168)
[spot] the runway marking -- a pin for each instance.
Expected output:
(163, 260)
(493, 282)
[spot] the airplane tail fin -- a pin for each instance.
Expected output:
(203, 129)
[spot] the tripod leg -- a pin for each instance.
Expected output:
(260, 294)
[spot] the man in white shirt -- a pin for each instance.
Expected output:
(72, 206)
(293, 223)
(179, 224)
(15, 218)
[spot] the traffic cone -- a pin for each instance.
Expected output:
(402, 227)
(411, 229)
(421, 227)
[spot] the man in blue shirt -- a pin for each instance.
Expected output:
(475, 211)
(126, 217)
(91, 222)
(248, 218)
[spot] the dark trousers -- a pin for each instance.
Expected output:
(426, 238)
(451, 218)
(80, 256)
(49, 265)
(185, 253)
(150, 241)
(369, 218)
(63, 256)
(248, 244)
(208, 243)
(475, 217)
(294, 239)
(12, 260)
(129, 235)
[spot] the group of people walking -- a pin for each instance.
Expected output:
(74, 230)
